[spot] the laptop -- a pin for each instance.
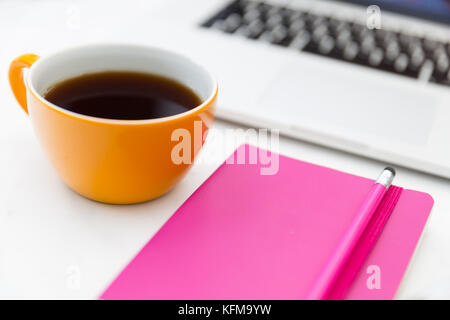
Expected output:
(367, 77)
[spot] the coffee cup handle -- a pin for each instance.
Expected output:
(16, 80)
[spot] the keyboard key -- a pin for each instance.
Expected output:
(320, 32)
(264, 7)
(393, 49)
(296, 26)
(274, 21)
(318, 22)
(272, 11)
(405, 40)
(301, 40)
(250, 5)
(294, 16)
(351, 50)
(430, 45)
(252, 15)
(390, 56)
(368, 45)
(287, 14)
(417, 59)
(219, 25)
(413, 46)
(232, 22)
(344, 38)
(266, 36)
(438, 52)
(309, 18)
(279, 34)
(243, 31)
(441, 77)
(365, 33)
(385, 37)
(357, 28)
(401, 63)
(376, 57)
(326, 45)
(427, 70)
(256, 27)
(442, 64)
(337, 26)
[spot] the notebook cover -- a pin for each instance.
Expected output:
(243, 235)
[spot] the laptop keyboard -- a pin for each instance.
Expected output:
(395, 52)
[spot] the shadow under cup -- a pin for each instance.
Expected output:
(119, 161)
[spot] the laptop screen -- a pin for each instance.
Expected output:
(436, 10)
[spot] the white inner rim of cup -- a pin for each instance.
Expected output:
(73, 62)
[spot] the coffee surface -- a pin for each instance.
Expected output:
(123, 95)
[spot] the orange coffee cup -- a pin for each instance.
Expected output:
(113, 161)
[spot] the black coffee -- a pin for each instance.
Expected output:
(123, 95)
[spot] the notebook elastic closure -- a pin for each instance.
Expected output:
(367, 242)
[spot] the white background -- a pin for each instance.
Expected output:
(56, 244)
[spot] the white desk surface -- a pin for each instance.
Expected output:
(56, 244)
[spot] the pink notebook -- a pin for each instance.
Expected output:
(243, 235)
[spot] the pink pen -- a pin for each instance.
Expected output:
(337, 262)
